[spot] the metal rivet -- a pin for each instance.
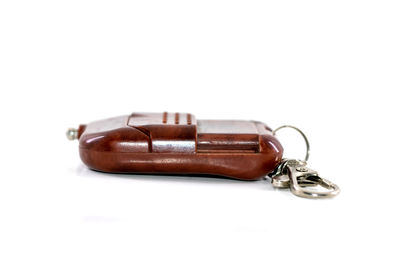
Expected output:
(72, 134)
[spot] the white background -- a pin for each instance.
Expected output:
(329, 67)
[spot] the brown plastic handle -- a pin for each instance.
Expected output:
(177, 143)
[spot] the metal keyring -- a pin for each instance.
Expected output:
(302, 134)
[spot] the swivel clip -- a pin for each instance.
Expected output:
(301, 180)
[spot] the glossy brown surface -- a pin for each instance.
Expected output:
(177, 143)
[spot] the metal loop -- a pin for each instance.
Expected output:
(302, 134)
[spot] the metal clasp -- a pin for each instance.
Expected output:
(301, 180)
